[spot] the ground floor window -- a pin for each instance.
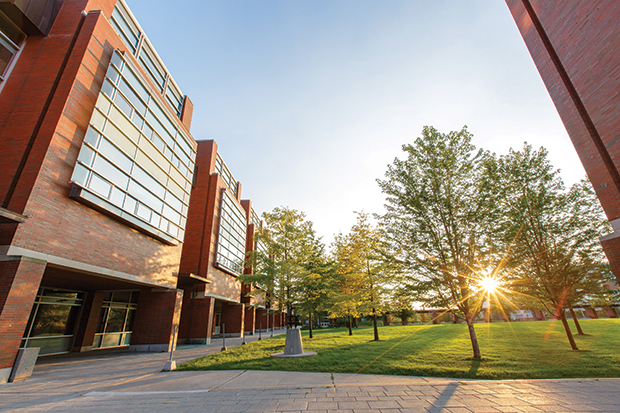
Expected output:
(116, 319)
(52, 320)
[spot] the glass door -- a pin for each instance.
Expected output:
(116, 319)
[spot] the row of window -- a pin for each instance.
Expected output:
(134, 156)
(129, 30)
(222, 170)
(231, 235)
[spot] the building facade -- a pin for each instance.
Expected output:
(576, 48)
(99, 198)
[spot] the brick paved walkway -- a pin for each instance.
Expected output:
(124, 382)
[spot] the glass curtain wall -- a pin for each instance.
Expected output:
(116, 319)
(52, 321)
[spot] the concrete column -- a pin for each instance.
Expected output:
(87, 326)
(250, 320)
(20, 279)
(159, 312)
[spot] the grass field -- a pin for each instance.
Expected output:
(534, 349)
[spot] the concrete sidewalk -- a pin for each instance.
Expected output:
(133, 382)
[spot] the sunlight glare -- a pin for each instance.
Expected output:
(489, 284)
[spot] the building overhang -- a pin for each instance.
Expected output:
(189, 278)
(33, 17)
(10, 217)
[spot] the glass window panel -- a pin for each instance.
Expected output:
(116, 320)
(163, 224)
(117, 60)
(98, 120)
(176, 175)
(80, 175)
(136, 84)
(6, 55)
(137, 119)
(111, 340)
(153, 68)
(107, 88)
(143, 212)
(151, 167)
(131, 95)
(174, 202)
(117, 197)
(121, 297)
(92, 137)
(124, 124)
(130, 205)
(155, 219)
(112, 74)
(146, 129)
(165, 121)
(86, 155)
(100, 186)
(116, 136)
(126, 28)
(115, 155)
(147, 181)
(103, 316)
(157, 168)
(175, 189)
(172, 215)
(103, 103)
(157, 126)
(126, 339)
(173, 230)
(54, 320)
(13, 33)
(110, 172)
(145, 196)
(159, 142)
(123, 104)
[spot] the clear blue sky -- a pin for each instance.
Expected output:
(309, 101)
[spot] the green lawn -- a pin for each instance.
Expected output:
(534, 349)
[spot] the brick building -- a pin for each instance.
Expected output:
(220, 231)
(96, 171)
(576, 48)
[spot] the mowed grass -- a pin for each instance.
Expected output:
(520, 350)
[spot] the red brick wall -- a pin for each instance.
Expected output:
(250, 320)
(585, 35)
(232, 316)
(196, 318)
(157, 314)
(19, 282)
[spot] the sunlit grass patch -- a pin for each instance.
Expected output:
(535, 349)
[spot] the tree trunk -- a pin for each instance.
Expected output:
(472, 336)
(350, 325)
(310, 317)
(572, 314)
(374, 323)
(571, 340)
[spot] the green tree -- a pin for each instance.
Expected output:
(280, 265)
(440, 215)
(554, 254)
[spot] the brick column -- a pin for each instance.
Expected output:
(157, 316)
(197, 320)
(87, 327)
(611, 312)
(261, 319)
(591, 312)
(250, 320)
(232, 317)
(20, 279)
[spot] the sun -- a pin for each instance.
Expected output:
(489, 284)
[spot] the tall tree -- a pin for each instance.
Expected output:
(439, 213)
(287, 240)
(554, 253)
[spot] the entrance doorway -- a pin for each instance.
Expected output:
(116, 319)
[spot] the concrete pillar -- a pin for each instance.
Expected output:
(159, 312)
(87, 326)
(20, 279)
(232, 317)
(250, 320)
